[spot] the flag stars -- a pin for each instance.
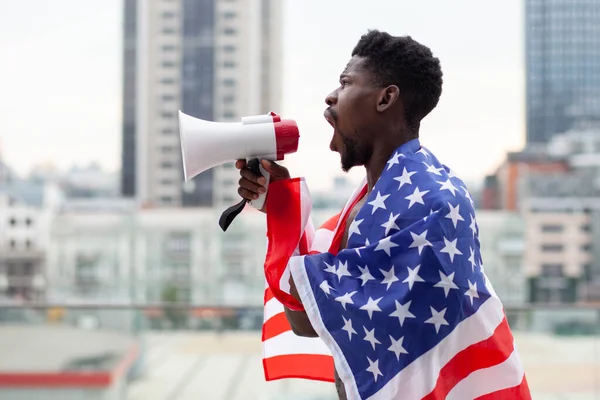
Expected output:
(472, 292)
(446, 282)
(437, 319)
(342, 270)
(419, 241)
(413, 276)
(473, 225)
(397, 347)
(374, 369)
(451, 249)
(402, 312)
(371, 306)
(394, 160)
(348, 327)
(365, 275)
(391, 223)
(454, 214)
(404, 179)
(325, 287)
(354, 228)
(447, 185)
(389, 277)
(433, 170)
(370, 337)
(416, 197)
(329, 268)
(379, 202)
(346, 299)
(472, 260)
(386, 245)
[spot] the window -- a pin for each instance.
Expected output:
(167, 81)
(552, 248)
(166, 149)
(13, 244)
(166, 164)
(168, 15)
(229, 15)
(229, 64)
(168, 131)
(552, 228)
(166, 182)
(229, 48)
(229, 82)
(13, 222)
(167, 97)
(168, 115)
(168, 48)
(166, 199)
(586, 247)
(229, 31)
(229, 114)
(229, 99)
(28, 221)
(27, 244)
(168, 31)
(552, 270)
(168, 64)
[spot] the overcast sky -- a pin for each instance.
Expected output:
(60, 78)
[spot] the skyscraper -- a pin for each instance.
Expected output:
(563, 66)
(217, 60)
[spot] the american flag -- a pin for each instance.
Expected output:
(405, 311)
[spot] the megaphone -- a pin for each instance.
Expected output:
(206, 144)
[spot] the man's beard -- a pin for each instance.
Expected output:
(353, 154)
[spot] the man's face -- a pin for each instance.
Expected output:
(352, 113)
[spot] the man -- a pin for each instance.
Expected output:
(398, 294)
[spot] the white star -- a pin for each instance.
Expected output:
(437, 319)
(348, 327)
(386, 245)
(371, 306)
(416, 197)
(346, 299)
(370, 337)
(354, 228)
(329, 268)
(447, 185)
(446, 283)
(450, 248)
(379, 202)
(472, 259)
(472, 292)
(367, 243)
(404, 179)
(366, 275)
(413, 276)
(473, 225)
(468, 196)
(454, 214)
(342, 270)
(402, 312)
(391, 223)
(389, 277)
(397, 347)
(325, 287)
(374, 369)
(419, 241)
(423, 151)
(433, 170)
(394, 160)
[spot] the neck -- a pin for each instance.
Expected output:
(382, 151)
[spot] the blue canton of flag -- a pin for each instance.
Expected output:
(411, 273)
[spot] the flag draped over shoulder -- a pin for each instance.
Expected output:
(405, 310)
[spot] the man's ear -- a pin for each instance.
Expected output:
(387, 97)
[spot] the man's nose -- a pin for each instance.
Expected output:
(331, 98)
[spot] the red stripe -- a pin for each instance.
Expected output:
(520, 392)
(305, 366)
(303, 246)
(331, 223)
(284, 221)
(276, 325)
(487, 353)
(268, 295)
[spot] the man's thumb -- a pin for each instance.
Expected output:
(273, 168)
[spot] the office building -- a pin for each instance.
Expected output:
(213, 59)
(562, 60)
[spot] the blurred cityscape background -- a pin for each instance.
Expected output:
(117, 283)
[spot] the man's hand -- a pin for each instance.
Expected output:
(251, 185)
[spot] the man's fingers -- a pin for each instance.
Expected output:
(252, 177)
(251, 186)
(274, 169)
(247, 194)
(239, 164)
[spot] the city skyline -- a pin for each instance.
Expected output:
(63, 85)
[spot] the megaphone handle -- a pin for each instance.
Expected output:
(255, 166)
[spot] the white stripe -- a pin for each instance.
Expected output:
(423, 372)
(288, 343)
(502, 376)
(322, 240)
(353, 197)
(272, 308)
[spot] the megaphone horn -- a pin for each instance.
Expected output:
(206, 144)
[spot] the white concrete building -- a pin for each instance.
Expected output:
(216, 60)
